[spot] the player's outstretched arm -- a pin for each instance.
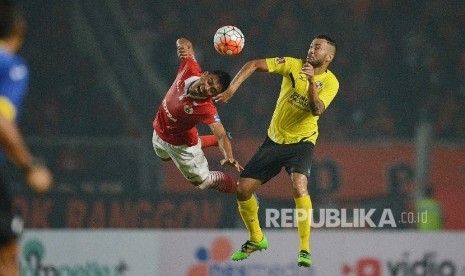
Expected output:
(246, 71)
(184, 48)
(224, 144)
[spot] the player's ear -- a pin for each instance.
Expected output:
(329, 57)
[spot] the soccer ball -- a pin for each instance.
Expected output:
(228, 40)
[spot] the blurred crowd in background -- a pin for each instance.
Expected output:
(397, 62)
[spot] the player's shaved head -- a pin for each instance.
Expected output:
(330, 41)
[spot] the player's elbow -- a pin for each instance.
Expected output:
(317, 112)
(257, 65)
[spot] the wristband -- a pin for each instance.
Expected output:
(34, 163)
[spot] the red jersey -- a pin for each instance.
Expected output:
(179, 113)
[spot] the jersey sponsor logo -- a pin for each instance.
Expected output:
(188, 109)
(280, 60)
(167, 112)
(299, 101)
(178, 88)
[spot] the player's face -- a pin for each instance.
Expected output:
(207, 86)
(317, 52)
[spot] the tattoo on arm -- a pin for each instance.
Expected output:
(317, 107)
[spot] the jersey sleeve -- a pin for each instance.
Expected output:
(13, 85)
(281, 65)
(329, 91)
(7, 109)
(210, 115)
(191, 66)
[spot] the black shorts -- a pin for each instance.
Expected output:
(11, 226)
(272, 157)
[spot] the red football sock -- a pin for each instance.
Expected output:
(219, 181)
(208, 141)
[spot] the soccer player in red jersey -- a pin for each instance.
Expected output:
(188, 103)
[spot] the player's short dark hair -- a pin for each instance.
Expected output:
(330, 41)
(224, 79)
(11, 14)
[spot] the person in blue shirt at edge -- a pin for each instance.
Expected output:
(14, 77)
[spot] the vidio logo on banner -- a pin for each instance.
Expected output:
(428, 265)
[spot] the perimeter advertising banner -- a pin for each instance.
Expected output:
(207, 253)
(102, 253)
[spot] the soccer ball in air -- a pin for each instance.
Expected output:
(228, 40)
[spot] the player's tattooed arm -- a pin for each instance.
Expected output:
(317, 107)
(316, 104)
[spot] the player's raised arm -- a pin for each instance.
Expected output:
(184, 48)
(246, 71)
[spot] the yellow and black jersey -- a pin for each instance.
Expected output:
(292, 120)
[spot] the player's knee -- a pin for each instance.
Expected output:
(244, 191)
(299, 182)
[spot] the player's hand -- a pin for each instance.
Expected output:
(232, 162)
(184, 48)
(308, 70)
(224, 97)
(182, 52)
(39, 179)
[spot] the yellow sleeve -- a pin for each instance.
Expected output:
(7, 109)
(329, 91)
(282, 65)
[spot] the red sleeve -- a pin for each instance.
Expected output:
(191, 66)
(211, 114)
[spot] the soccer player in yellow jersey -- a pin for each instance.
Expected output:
(307, 89)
